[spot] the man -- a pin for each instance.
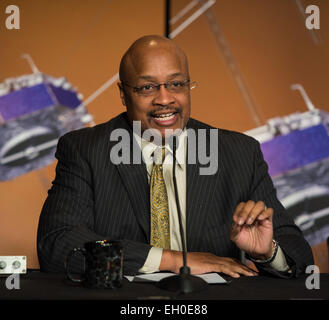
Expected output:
(230, 211)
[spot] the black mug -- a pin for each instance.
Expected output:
(103, 264)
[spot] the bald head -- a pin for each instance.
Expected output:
(155, 60)
(144, 50)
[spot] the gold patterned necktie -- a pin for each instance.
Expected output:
(160, 232)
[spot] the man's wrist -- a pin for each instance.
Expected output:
(268, 257)
(264, 256)
(169, 260)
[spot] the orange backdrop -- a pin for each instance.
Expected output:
(84, 41)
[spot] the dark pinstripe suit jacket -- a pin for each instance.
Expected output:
(91, 199)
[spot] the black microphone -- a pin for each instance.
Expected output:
(184, 282)
(181, 231)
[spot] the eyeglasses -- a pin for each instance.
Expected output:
(172, 86)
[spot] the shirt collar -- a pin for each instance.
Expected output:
(148, 149)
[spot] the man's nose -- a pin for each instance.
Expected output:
(163, 96)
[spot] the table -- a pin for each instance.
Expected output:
(39, 286)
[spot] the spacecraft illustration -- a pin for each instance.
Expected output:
(296, 149)
(35, 110)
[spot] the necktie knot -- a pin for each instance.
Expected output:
(159, 155)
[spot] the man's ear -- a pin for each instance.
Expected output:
(122, 94)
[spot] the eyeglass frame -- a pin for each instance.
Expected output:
(158, 86)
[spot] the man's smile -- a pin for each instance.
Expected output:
(167, 118)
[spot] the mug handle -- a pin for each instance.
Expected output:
(68, 258)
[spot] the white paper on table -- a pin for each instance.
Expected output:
(211, 278)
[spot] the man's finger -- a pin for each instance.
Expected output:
(241, 215)
(238, 208)
(267, 214)
(235, 269)
(235, 230)
(257, 210)
(245, 271)
(238, 266)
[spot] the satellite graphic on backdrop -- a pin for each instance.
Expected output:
(296, 148)
(35, 110)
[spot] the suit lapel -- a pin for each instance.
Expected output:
(135, 182)
(199, 197)
(134, 179)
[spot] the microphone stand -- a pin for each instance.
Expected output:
(184, 282)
